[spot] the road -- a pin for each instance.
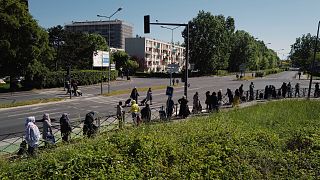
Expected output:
(12, 120)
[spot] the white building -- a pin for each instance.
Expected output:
(155, 55)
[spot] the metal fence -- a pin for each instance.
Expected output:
(10, 143)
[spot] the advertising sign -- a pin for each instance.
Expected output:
(100, 58)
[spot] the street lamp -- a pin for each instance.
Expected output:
(109, 44)
(171, 45)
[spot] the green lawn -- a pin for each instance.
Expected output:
(277, 140)
(30, 102)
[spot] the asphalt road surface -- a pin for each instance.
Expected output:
(12, 119)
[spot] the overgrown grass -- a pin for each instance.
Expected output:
(141, 89)
(277, 140)
(30, 102)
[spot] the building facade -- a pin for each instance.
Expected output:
(119, 30)
(155, 55)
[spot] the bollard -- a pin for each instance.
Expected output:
(257, 94)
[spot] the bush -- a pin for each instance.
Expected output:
(259, 74)
(84, 77)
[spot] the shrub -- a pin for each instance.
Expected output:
(84, 77)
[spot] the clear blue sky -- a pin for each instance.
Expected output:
(278, 22)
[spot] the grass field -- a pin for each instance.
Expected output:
(276, 140)
(30, 102)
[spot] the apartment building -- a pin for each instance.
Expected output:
(155, 55)
(119, 30)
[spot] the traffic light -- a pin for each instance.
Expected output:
(147, 24)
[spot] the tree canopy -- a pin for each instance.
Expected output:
(302, 51)
(23, 44)
(214, 45)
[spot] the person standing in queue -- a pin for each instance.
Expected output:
(32, 135)
(65, 127)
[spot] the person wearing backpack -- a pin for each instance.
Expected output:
(32, 135)
(89, 128)
(65, 127)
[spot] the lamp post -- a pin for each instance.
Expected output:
(171, 45)
(109, 44)
(314, 59)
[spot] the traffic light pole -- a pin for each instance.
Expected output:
(147, 30)
(313, 62)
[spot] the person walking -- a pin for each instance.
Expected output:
(65, 127)
(251, 87)
(297, 90)
(169, 107)
(47, 134)
(135, 109)
(149, 96)
(134, 94)
(32, 135)
(184, 109)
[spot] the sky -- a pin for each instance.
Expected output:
(276, 22)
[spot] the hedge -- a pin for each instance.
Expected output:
(84, 77)
(267, 72)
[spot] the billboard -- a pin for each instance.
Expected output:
(100, 58)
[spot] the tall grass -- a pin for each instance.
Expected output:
(277, 140)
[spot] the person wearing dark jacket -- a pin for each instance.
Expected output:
(89, 128)
(215, 101)
(65, 127)
(208, 101)
(169, 107)
(134, 94)
(184, 109)
(146, 113)
(230, 95)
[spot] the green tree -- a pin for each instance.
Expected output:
(77, 49)
(121, 58)
(209, 41)
(22, 41)
(56, 40)
(302, 51)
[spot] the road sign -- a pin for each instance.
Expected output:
(113, 67)
(169, 91)
(173, 68)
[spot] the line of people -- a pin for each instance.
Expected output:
(32, 133)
